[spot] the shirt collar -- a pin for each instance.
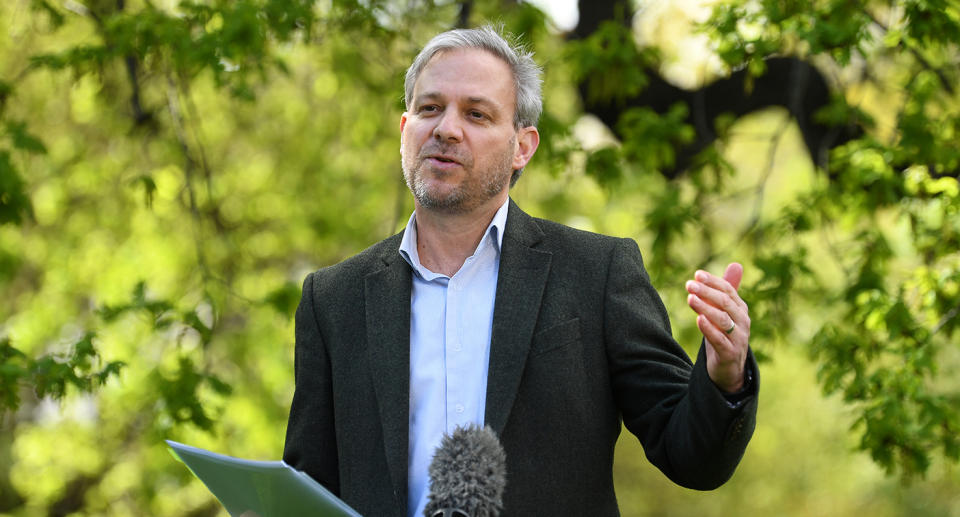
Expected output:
(408, 244)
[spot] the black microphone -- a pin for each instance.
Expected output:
(467, 475)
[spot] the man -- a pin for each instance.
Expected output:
(479, 313)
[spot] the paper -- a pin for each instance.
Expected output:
(248, 488)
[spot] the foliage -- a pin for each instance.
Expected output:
(607, 63)
(170, 171)
(50, 375)
(894, 307)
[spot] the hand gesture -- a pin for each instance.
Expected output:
(724, 320)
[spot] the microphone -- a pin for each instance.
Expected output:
(468, 474)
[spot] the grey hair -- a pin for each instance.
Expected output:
(527, 83)
(526, 72)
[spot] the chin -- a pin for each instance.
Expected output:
(451, 203)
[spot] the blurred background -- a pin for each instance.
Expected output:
(171, 170)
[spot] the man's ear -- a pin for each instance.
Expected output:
(528, 139)
(403, 123)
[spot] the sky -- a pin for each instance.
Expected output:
(563, 13)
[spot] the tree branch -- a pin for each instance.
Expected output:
(74, 494)
(954, 312)
(944, 81)
(10, 498)
(788, 82)
(761, 187)
(173, 104)
(130, 61)
(463, 14)
(140, 116)
(198, 140)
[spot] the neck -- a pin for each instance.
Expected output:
(445, 240)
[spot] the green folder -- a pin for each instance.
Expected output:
(248, 488)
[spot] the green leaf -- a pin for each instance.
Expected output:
(56, 18)
(14, 203)
(605, 166)
(149, 189)
(284, 299)
(112, 369)
(179, 393)
(192, 319)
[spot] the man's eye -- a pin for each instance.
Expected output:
(477, 115)
(429, 108)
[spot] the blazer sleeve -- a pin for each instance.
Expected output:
(311, 444)
(687, 427)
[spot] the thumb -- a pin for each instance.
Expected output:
(734, 274)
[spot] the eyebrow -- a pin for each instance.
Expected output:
(486, 101)
(419, 99)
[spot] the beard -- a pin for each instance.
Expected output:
(477, 186)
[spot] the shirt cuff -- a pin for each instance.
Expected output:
(736, 399)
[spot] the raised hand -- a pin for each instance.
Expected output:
(724, 320)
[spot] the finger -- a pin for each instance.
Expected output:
(714, 281)
(727, 300)
(719, 318)
(734, 274)
(716, 338)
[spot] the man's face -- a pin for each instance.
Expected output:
(458, 145)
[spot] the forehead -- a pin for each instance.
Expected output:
(466, 73)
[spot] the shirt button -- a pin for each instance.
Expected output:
(457, 347)
(459, 408)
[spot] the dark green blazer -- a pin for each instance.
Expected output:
(581, 342)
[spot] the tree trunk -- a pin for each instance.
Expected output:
(788, 82)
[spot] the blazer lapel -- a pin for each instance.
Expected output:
(520, 286)
(387, 294)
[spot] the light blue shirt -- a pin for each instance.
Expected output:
(451, 320)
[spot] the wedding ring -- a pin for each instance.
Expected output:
(733, 325)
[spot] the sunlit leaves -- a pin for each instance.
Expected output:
(161, 314)
(865, 175)
(14, 203)
(840, 113)
(670, 219)
(51, 375)
(885, 370)
(649, 143)
(882, 354)
(932, 21)
(887, 218)
(13, 368)
(922, 142)
(610, 64)
(179, 393)
(21, 139)
(231, 40)
(749, 32)
(863, 267)
(159, 311)
(650, 140)
(740, 40)
(781, 274)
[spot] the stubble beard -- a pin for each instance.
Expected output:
(476, 188)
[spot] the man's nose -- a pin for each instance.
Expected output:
(448, 127)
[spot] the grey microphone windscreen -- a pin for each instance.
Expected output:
(468, 473)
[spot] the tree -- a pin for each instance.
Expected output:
(895, 310)
(169, 171)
